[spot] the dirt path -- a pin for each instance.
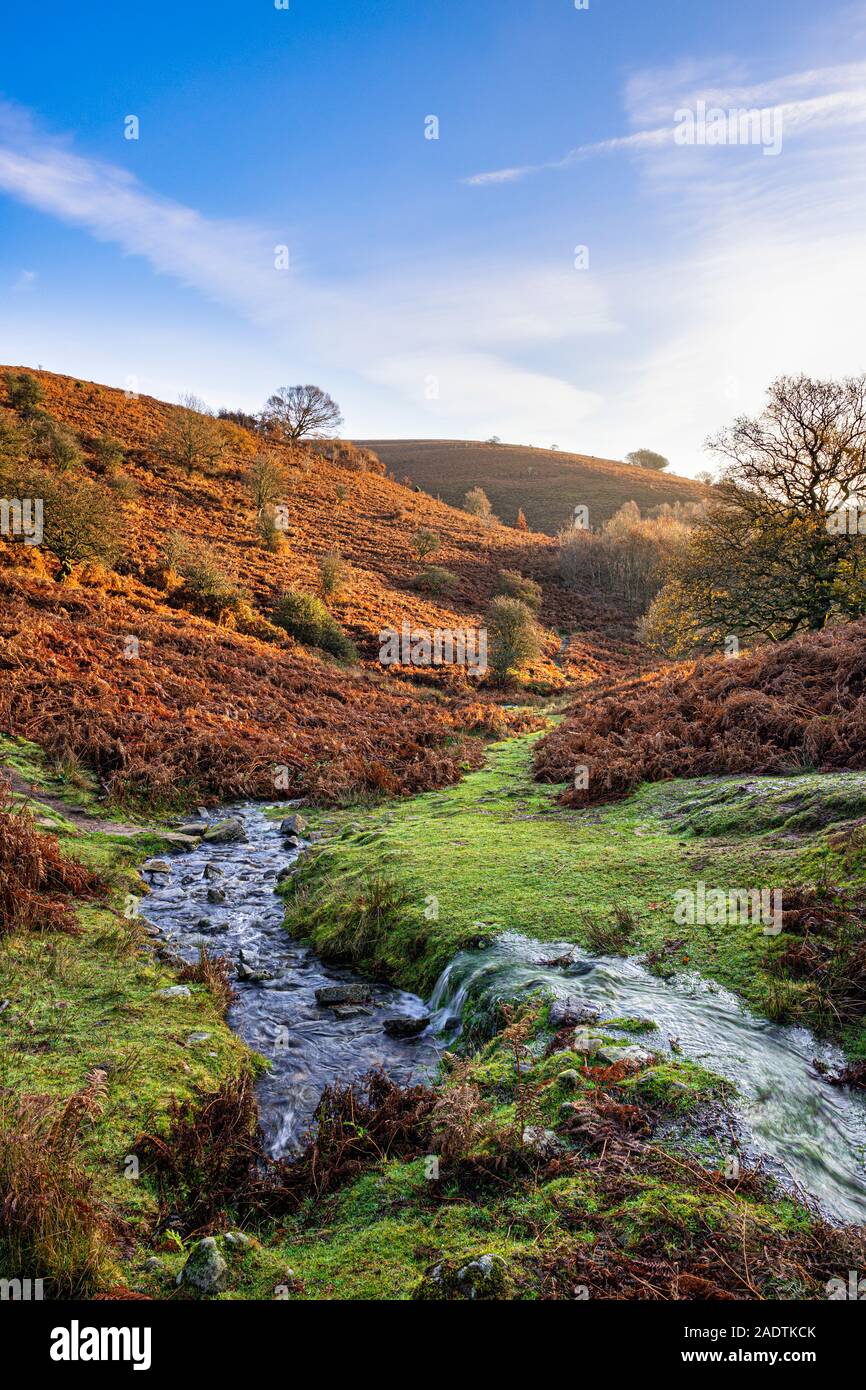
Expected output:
(83, 820)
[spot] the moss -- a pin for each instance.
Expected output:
(679, 1086)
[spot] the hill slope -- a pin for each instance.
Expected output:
(211, 705)
(546, 483)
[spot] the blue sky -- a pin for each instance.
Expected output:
(432, 284)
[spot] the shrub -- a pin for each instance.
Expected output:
(270, 529)
(191, 437)
(425, 542)
(24, 392)
(333, 573)
(435, 580)
(307, 619)
(512, 637)
(205, 578)
(477, 503)
(108, 453)
(521, 523)
(54, 443)
(515, 585)
(82, 521)
(267, 482)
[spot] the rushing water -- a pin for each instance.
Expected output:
(308, 1045)
(813, 1135)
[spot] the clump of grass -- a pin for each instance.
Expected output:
(333, 573)
(52, 1223)
(515, 585)
(610, 936)
(214, 973)
(349, 918)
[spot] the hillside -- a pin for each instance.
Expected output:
(546, 483)
(213, 703)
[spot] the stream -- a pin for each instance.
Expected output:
(810, 1134)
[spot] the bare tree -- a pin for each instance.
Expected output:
(191, 437)
(267, 481)
(301, 412)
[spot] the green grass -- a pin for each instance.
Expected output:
(497, 852)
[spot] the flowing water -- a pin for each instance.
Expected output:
(812, 1135)
(307, 1045)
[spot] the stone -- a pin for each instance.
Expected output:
(630, 1053)
(212, 871)
(293, 842)
(174, 992)
(484, 1278)
(342, 994)
(542, 1143)
(585, 1042)
(237, 1240)
(402, 1026)
(350, 1011)
(225, 832)
(195, 1039)
(293, 825)
(216, 895)
(154, 1266)
(156, 866)
(194, 828)
(570, 1079)
(205, 1268)
(565, 1013)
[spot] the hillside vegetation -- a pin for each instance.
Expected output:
(166, 670)
(546, 483)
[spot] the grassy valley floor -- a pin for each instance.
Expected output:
(530, 1170)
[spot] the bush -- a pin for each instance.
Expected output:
(108, 453)
(307, 619)
(25, 393)
(191, 437)
(54, 443)
(511, 635)
(515, 585)
(425, 542)
(35, 878)
(82, 520)
(205, 578)
(435, 580)
(267, 482)
(333, 572)
(271, 533)
(477, 503)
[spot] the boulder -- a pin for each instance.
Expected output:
(216, 895)
(212, 871)
(542, 1143)
(293, 825)
(629, 1053)
(205, 1268)
(485, 1278)
(226, 832)
(156, 866)
(342, 994)
(237, 1240)
(402, 1026)
(570, 1079)
(565, 1013)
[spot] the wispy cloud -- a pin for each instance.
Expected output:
(818, 99)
